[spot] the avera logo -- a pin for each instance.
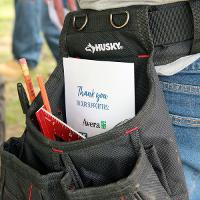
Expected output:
(104, 47)
(101, 125)
(91, 124)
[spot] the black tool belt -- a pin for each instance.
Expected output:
(137, 159)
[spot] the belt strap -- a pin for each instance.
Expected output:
(171, 23)
(195, 6)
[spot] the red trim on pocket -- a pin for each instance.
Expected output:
(57, 150)
(30, 191)
(144, 56)
(130, 131)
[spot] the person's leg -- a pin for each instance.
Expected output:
(182, 93)
(27, 40)
(2, 109)
(51, 32)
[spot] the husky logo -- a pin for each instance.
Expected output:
(104, 47)
(90, 48)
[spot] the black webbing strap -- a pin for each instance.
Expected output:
(195, 6)
(171, 23)
(143, 29)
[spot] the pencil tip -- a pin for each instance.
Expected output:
(23, 61)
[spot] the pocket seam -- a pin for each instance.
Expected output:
(166, 186)
(185, 121)
(180, 88)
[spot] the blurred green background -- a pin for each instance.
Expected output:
(15, 120)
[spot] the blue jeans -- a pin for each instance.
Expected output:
(31, 19)
(182, 93)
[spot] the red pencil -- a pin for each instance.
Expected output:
(44, 93)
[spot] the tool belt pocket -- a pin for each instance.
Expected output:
(22, 181)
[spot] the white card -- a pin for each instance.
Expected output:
(98, 94)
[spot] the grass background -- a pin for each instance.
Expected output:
(15, 120)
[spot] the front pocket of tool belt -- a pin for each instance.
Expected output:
(143, 184)
(6, 190)
(7, 195)
(18, 187)
(110, 46)
(150, 186)
(22, 182)
(157, 166)
(154, 185)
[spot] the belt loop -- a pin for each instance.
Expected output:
(195, 6)
(143, 27)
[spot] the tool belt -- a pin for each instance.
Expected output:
(137, 159)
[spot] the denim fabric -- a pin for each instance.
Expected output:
(51, 32)
(182, 93)
(65, 3)
(32, 18)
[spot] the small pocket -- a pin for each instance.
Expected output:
(21, 181)
(141, 184)
(157, 166)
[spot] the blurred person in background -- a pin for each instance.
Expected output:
(2, 111)
(31, 19)
(59, 8)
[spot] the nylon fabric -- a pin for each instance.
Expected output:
(195, 6)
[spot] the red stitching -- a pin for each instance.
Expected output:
(144, 56)
(122, 198)
(57, 150)
(30, 191)
(131, 130)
